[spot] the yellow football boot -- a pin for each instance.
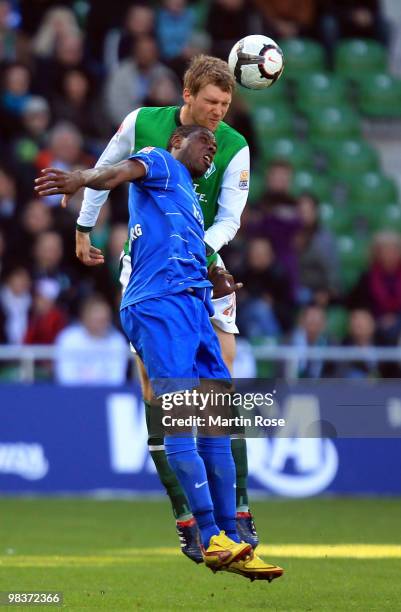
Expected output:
(254, 568)
(222, 551)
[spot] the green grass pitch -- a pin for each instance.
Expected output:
(338, 554)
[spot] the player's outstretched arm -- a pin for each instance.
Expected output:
(55, 181)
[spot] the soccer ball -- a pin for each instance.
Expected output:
(256, 61)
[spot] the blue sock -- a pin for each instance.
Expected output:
(190, 470)
(220, 468)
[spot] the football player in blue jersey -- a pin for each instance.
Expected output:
(165, 314)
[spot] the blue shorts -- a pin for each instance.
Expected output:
(175, 340)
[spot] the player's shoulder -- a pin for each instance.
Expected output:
(155, 153)
(159, 162)
(228, 136)
(148, 115)
(157, 112)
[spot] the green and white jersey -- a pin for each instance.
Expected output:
(222, 191)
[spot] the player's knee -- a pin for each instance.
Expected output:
(155, 444)
(166, 474)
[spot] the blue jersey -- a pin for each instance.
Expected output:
(166, 233)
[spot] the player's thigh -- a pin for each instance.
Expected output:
(209, 358)
(228, 347)
(215, 382)
(165, 334)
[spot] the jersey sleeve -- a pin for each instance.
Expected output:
(118, 149)
(231, 201)
(160, 170)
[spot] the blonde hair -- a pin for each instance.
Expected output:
(384, 238)
(207, 70)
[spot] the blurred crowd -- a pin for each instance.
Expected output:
(70, 72)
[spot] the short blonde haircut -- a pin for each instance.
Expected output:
(207, 70)
(384, 238)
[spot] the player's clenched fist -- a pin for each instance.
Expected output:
(223, 282)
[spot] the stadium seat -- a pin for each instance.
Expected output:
(354, 255)
(391, 218)
(200, 11)
(337, 219)
(309, 182)
(296, 152)
(273, 122)
(337, 322)
(256, 186)
(351, 158)
(356, 58)
(332, 125)
(366, 217)
(265, 369)
(372, 189)
(302, 56)
(272, 96)
(380, 96)
(317, 90)
(350, 276)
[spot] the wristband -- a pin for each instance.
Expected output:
(83, 228)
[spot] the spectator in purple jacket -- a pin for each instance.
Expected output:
(278, 220)
(379, 288)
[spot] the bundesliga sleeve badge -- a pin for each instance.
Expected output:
(244, 179)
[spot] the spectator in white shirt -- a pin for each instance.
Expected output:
(15, 302)
(92, 351)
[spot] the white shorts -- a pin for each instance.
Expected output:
(225, 308)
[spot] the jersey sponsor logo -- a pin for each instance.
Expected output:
(294, 465)
(201, 196)
(126, 420)
(134, 233)
(26, 460)
(210, 171)
(197, 214)
(244, 179)
(146, 150)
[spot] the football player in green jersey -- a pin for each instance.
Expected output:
(222, 191)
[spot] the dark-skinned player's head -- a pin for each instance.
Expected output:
(194, 146)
